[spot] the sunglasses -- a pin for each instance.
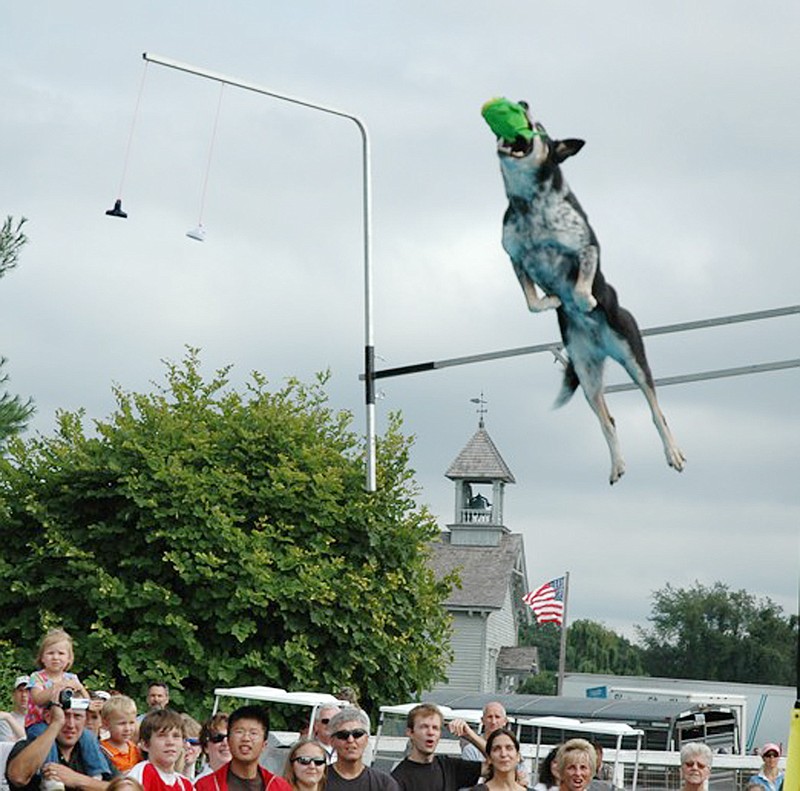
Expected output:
(193, 742)
(306, 760)
(698, 764)
(343, 736)
(770, 755)
(218, 737)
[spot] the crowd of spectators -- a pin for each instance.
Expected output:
(58, 735)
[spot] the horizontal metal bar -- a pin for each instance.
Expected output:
(472, 358)
(734, 319)
(706, 375)
(557, 346)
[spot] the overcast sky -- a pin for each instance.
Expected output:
(690, 112)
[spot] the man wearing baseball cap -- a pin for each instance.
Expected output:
(770, 776)
(12, 723)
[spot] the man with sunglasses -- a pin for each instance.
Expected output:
(350, 736)
(248, 729)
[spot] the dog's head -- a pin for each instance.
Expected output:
(523, 145)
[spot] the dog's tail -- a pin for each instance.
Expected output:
(568, 386)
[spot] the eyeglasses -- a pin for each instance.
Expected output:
(698, 764)
(250, 733)
(343, 736)
(770, 755)
(307, 759)
(324, 720)
(193, 742)
(218, 737)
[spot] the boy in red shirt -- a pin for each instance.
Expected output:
(161, 734)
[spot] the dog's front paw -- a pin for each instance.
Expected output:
(545, 303)
(585, 301)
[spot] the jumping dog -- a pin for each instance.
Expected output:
(547, 235)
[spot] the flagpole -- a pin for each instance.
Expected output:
(562, 651)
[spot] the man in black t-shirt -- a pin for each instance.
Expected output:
(350, 736)
(423, 770)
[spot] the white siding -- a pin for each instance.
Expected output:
(468, 644)
(500, 631)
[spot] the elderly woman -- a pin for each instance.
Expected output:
(770, 776)
(695, 766)
(577, 763)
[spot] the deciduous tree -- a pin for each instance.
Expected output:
(215, 538)
(594, 648)
(714, 633)
(591, 648)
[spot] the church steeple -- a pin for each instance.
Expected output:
(480, 475)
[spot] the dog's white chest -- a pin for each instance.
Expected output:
(546, 237)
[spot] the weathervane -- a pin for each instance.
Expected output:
(481, 410)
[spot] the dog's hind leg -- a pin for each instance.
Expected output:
(643, 381)
(591, 379)
(600, 407)
(674, 454)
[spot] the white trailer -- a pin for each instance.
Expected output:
(737, 704)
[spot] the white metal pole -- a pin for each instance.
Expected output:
(369, 343)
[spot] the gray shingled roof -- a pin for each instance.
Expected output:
(485, 571)
(480, 461)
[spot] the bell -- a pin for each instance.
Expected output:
(198, 233)
(117, 210)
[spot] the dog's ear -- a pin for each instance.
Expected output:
(566, 148)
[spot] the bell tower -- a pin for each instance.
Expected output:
(480, 475)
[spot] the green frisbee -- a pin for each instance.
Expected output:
(507, 119)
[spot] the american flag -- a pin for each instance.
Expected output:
(547, 602)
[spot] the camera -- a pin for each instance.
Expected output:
(67, 700)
